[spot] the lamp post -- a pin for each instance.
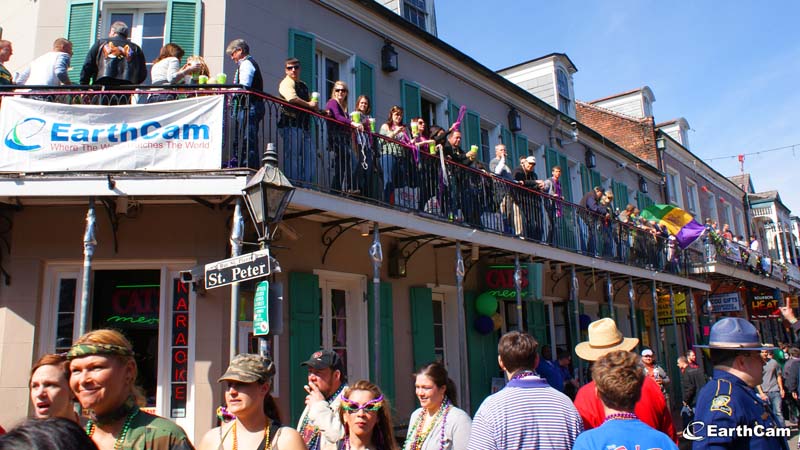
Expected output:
(266, 195)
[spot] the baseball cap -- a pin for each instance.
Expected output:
(734, 333)
(531, 159)
(647, 352)
(249, 368)
(323, 359)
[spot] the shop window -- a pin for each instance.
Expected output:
(65, 320)
(342, 317)
(439, 344)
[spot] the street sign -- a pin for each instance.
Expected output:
(261, 310)
(239, 268)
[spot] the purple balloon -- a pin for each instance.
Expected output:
(484, 324)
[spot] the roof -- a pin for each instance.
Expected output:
(744, 182)
(622, 94)
(562, 55)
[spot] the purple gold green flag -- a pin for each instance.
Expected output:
(679, 223)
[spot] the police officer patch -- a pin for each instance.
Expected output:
(720, 403)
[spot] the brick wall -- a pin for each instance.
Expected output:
(634, 135)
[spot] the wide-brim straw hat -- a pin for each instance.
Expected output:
(604, 337)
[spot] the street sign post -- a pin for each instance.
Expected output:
(261, 310)
(237, 269)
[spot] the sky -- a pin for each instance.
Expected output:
(731, 69)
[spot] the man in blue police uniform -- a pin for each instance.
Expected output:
(729, 412)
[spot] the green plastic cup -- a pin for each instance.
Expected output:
(414, 128)
(222, 78)
(202, 79)
(315, 96)
(473, 148)
(356, 115)
(432, 147)
(372, 124)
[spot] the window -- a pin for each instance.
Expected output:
(439, 343)
(428, 113)
(330, 75)
(564, 99)
(740, 223)
(415, 11)
(343, 314)
(691, 197)
(674, 187)
(146, 29)
(65, 320)
(486, 152)
(647, 107)
(726, 217)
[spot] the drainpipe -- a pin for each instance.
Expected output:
(576, 304)
(376, 255)
(695, 328)
(632, 303)
(462, 329)
(655, 321)
(610, 293)
(518, 289)
(89, 244)
(237, 233)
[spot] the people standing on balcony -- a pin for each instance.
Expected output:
(114, 61)
(320, 424)
(299, 152)
(49, 69)
(103, 378)
(504, 195)
(393, 128)
(438, 424)
(552, 187)
(367, 418)
(726, 232)
(257, 422)
(589, 219)
(49, 388)
(6, 79)
(249, 110)
(459, 201)
(529, 203)
(606, 218)
(366, 175)
(339, 140)
(166, 70)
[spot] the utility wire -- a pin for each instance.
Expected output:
(755, 153)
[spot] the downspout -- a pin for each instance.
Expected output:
(376, 255)
(89, 244)
(237, 234)
(462, 327)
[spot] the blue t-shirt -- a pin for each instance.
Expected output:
(548, 370)
(624, 435)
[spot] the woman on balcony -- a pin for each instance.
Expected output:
(390, 152)
(366, 160)
(339, 143)
(166, 70)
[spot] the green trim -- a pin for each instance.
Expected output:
(306, 58)
(361, 79)
(422, 339)
(410, 93)
(194, 14)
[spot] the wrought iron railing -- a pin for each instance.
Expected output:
(319, 153)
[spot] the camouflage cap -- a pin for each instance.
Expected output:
(249, 368)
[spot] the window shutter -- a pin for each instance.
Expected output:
(183, 26)
(605, 311)
(643, 200)
(365, 80)
(597, 180)
(537, 322)
(81, 31)
(412, 102)
(304, 332)
(521, 145)
(482, 354)
(508, 139)
(620, 194)
(535, 280)
(302, 46)
(452, 111)
(551, 160)
(472, 131)
(422, 326)
(566, 179)
(387, 338)
(586, 181)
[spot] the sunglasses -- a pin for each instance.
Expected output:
(352, 407)
(294, 67)
(340, 90)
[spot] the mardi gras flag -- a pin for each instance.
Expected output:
(679, 223)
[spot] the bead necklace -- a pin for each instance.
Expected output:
(419, 436)
(267, 444)
(522, 374)
(313, 434)
(90, 428)
(621, 416)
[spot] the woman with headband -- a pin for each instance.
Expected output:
(103, 378)
(367, 419)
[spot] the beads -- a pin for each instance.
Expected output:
(267, 444)
(621, 416)
(90, 428)
(418, 436)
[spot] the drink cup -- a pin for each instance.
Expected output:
(356, 116)
(222, 78)
(414, 128)
(315, 96)
(372, 124)
(432, 147)
(473, 148)
(202, 79)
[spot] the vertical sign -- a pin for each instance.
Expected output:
(179, 346)
(261, 310)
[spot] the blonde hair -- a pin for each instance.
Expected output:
(203, 66)
(113, 337)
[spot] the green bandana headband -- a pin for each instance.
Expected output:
(81, 350)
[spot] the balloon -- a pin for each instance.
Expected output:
(585, 320)
(486, 304)
(498, 321)
(484, 324)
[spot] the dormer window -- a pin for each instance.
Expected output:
(416, 12)
(647, 106)
(564, 99)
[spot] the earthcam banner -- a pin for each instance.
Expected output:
(39, 136)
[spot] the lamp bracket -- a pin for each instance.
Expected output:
(111, 210)
(335, 230)
(408, 249)
(555, 278)
(590, 281)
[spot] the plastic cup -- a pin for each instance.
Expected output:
(356, 116)
(372, 124)
(432, 147)
(222, 78)
(202, 79)
(315, 96)
(473, 148)
(414, 128)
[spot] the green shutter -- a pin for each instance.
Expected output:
(597, 180)
(411, 100)
(512, 160)
(302, 46)
(643, 200)
(422, 326)
(365, 80)
(304, 332)
(620, 194)
(537, 322)
(471, 131)
(387, 338)
(81, 31)
(183, 19)
(521, 144)
(605, 311)
(535, 280)
(551, 160)
(452, 111)
(586, 180)
(482, 355)
(566, 179)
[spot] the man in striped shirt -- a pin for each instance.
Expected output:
(527, 413)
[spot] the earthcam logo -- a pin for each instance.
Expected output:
(757, 430)
(20, 137)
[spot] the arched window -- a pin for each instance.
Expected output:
(564, 99)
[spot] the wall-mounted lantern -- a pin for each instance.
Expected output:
(591, 159)
(389, 59)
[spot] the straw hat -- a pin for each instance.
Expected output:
(604, 337)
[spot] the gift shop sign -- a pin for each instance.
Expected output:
(728, 302)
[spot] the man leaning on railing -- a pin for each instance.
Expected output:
(300, 156)
(251, 111)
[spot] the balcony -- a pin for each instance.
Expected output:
(320, 155)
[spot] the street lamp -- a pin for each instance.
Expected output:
(267, 194)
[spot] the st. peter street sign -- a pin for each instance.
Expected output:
(239, 268)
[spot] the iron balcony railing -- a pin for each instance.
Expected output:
(319, 153)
